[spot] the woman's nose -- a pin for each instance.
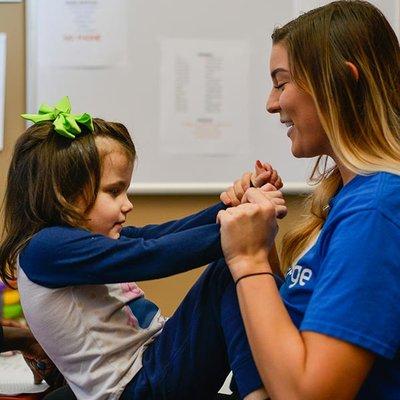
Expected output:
(272, 105)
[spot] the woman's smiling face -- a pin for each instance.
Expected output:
(296, 109)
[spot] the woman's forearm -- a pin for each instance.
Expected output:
(278, 348)
(273, 260)
(292, 364)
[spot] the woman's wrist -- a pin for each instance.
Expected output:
(245, 265)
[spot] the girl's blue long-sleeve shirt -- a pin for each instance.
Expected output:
(60, 256)
(81, 302)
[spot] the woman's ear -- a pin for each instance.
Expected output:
(353, 69)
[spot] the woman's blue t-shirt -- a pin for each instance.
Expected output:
(346, 285)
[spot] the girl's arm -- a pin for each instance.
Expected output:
(308, 364)
(155, 231)
(63, 256)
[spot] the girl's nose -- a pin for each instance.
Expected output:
(127, 206)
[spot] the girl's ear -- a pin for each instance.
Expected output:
(353, 69)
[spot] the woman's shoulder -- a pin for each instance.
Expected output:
(375, 192)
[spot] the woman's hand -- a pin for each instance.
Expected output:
(274, 196)
(263, 174)
(247, 233)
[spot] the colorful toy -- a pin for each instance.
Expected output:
(10, 307)
(2, 287)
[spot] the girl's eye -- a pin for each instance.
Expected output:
(114, 192)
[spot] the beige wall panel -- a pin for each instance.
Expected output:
(12, 22)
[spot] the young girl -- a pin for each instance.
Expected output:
(66, 203)
(333, 330)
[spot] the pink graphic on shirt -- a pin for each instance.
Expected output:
(132, 321)
(131, 291)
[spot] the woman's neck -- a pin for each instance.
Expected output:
(347, 175)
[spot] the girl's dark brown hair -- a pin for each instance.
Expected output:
(47, 176)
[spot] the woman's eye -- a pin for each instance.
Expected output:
(280, 86)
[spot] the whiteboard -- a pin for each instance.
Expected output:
(141, 77)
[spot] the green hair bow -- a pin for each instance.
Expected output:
(65, 123)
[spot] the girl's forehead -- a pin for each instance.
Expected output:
(106, 145)
(116, 167)
(111, 150)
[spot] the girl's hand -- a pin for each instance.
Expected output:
(247, 234)
(263, 173)
(233, 195)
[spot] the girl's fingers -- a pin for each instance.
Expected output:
(229, 197)
(261, 179)
(278, 183)
(238, 189)
(264, 173)
(274, 177)
(246, 181)
(225, 199)
(259, 167)
(267, 166)
(233, 196)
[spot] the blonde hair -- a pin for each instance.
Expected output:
(360, 115)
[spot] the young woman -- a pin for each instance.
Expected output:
(333, 329)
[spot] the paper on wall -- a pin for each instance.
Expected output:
(82, 33)
(204, 97)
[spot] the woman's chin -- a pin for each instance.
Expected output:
(296, 152)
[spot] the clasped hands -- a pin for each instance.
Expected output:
(249, 225)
